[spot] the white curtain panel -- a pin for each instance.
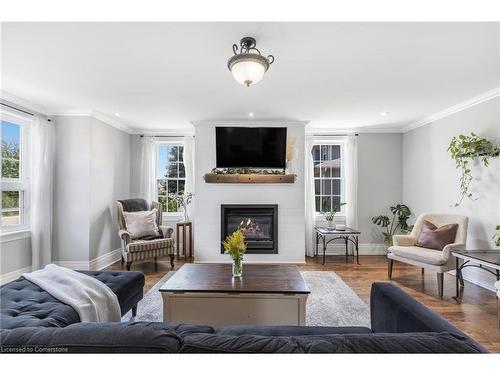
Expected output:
(42, 183)
(351, 171)
(310, 210)
(148, 163)
(188, 157)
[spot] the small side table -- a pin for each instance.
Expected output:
(187, 241)
(478, 259)
(348, 235)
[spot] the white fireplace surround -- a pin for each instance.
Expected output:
(210, 197)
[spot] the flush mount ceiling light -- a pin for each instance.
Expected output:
(248, 66)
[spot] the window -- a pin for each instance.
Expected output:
(170, 174)
(14, 172)
(328, 176)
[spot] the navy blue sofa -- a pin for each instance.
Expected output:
(399, 324)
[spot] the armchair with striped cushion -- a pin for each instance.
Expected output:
(150, 247)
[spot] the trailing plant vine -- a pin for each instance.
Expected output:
(464, 149)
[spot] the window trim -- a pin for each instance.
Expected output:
(172, 142)
(23, 183)
(325, 141)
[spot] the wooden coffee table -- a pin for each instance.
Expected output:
(208, 294)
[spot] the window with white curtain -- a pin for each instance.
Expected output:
(170, 174)
(329, 179)
(15, 174)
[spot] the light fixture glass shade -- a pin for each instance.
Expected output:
(248, 69)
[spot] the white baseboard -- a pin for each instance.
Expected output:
(11, 276)
(248, 262)
(95, 264)
(364, 249)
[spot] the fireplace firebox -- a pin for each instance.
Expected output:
(258, 222)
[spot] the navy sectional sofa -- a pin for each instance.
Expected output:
(33, 321)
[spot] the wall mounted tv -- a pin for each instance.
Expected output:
(240, 147)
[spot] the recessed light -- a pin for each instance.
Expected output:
(250, 114)
(117, 114)
(384, 113)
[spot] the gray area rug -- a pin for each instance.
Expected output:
(331, 302)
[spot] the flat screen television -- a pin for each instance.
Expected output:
(240, 147)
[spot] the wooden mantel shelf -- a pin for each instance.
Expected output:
(249, 178)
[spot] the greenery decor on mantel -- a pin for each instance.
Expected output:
(247, 171)
(400, 215)
(464, 149)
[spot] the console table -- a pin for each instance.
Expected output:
(348, 235)
(475, 258)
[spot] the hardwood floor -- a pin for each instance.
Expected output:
(476, 314)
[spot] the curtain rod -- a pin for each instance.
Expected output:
(166, 136)
(332, 135)
(17, 109)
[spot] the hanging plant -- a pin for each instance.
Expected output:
(464, 149)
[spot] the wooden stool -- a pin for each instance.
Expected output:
(185, 226)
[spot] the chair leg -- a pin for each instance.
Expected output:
(440, 278)
(156, 259)
(134, 311)
(172, 256)
(423, 270)
(128, 265)
(123, 260)
(390, 263)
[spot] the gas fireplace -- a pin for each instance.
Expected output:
(258, 222)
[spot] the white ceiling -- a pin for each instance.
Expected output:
(160, 76)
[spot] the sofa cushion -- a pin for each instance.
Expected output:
(131, 337)
(432, 237)
(213, 343)
(238, 330)
(420, 254)
(431, 342)
(24, 304)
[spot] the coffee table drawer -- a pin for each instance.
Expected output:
(219, 309)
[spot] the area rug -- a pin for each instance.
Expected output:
(331, 302)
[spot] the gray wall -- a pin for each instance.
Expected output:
(380, 180)
(109, 181)
(15, 255)
(135, 165)
(72, 189)
(431, 181)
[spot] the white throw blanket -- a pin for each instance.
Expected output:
(92, 299)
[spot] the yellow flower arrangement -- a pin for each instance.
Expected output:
(234, 245)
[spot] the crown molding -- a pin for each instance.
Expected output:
(360, 130)
(23, 104)
(247, 122)
(177, 132)
(484, 97)
(96, 115)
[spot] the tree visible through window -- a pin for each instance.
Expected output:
(171, 175)
(12, 191)
(327, 161)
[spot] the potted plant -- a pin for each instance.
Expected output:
(183, 200)
(400, 215)
(235, 247)
(496, 236)
(464, 149)
(330, 215)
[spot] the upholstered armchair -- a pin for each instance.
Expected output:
(150, 247)
(497, 286)
(404, 247)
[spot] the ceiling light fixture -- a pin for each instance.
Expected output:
(117, 114)
(250, 114)
(384, 113)
(248, 66)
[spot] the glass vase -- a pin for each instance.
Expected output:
(237, 267)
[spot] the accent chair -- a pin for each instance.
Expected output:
(150, 247)
(405, 247)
